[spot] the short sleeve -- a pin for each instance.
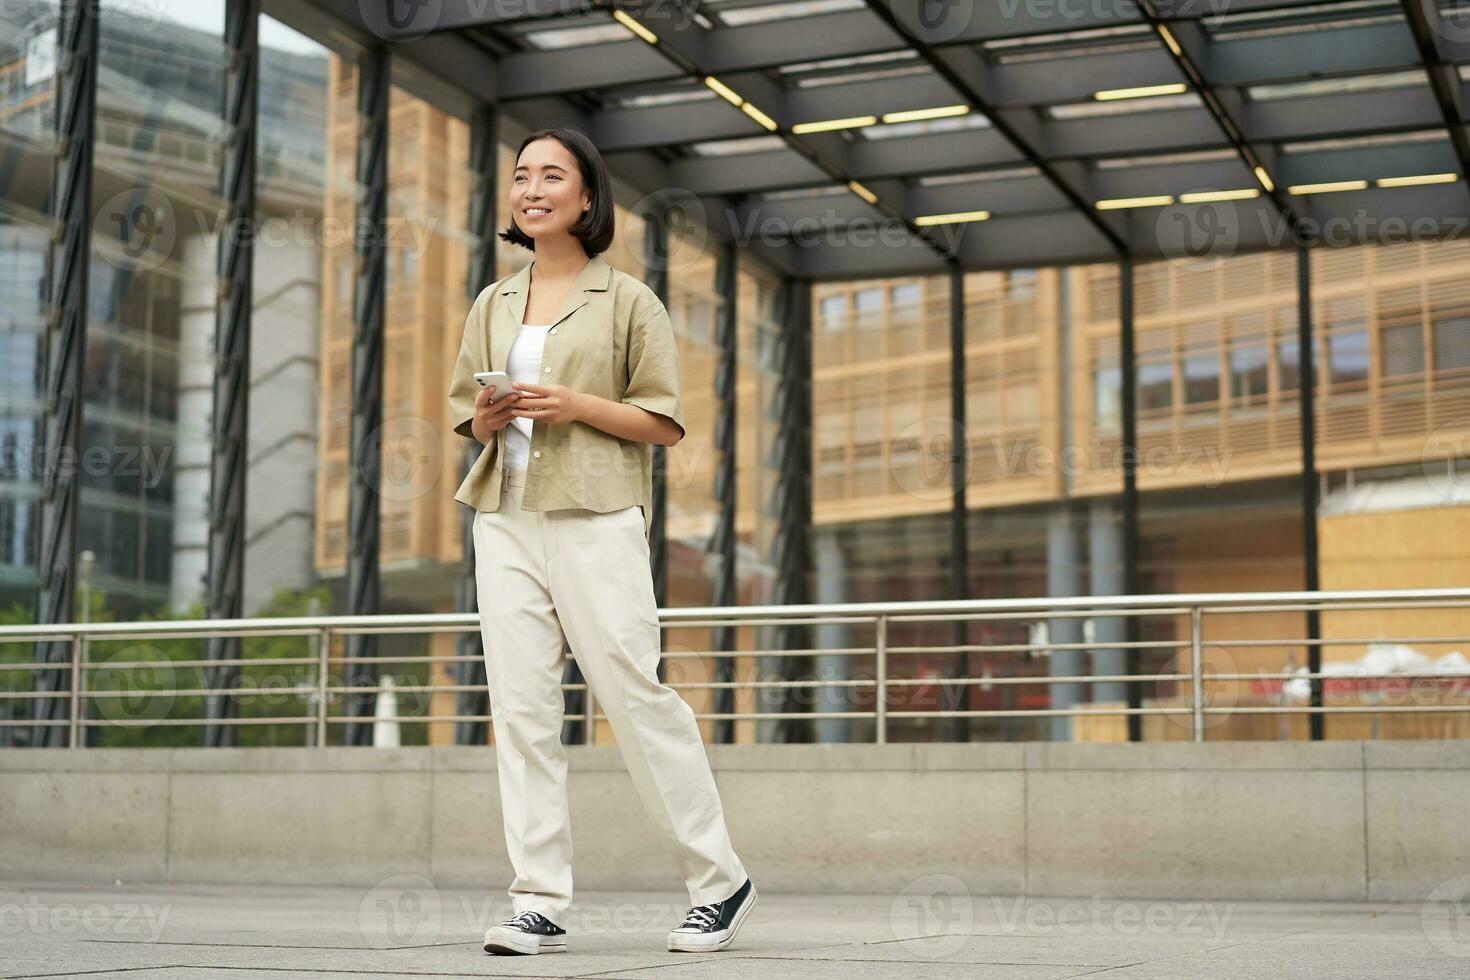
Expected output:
(462, 387)
(654, 381)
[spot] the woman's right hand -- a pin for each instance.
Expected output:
(491, 417)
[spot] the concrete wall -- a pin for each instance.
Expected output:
(1228, 820)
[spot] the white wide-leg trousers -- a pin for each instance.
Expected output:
(537, 574)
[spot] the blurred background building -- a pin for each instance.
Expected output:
(1218, 425)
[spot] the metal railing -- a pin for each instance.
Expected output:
(881, 617)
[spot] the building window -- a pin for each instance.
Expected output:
(1288, 365)
(834, 312)
(1020, 284)
(1402, 350)
(1452, 343)
(1201, 370)
(1155, 385)
(869, 303)
(1107, 397)
(904, 301)
(1248, 373)
(1347, 357)
(697, 320)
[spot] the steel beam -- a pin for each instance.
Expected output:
(230, 427)
(65, 356)
(365, 465)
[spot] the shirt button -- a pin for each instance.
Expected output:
(548, 369)
(537, 454)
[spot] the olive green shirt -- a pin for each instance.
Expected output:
(612, 338)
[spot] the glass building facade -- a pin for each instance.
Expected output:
(1216, 374)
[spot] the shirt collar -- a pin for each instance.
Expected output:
(594, 275)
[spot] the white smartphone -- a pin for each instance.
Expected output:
(499, 379)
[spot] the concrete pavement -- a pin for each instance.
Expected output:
(404, 926)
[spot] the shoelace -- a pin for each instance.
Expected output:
(701, 916)
(527, 919)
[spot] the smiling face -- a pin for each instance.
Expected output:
(547, 196)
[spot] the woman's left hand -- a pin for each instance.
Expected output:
(552, 404)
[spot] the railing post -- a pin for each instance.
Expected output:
(881, 672)
(589, 731)
(78, 651)
(1196, 672)
(324, 643)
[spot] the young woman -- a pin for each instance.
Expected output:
(561, 495)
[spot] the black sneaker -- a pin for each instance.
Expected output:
(528, 932)
(707, 928)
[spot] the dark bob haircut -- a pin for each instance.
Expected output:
(595, 228)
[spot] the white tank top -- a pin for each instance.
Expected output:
(523, 364)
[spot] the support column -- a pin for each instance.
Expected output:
(831, 561)
(1105, 577)
(480, 272)
(1312, 582)
(722, 540)
(791, 501)
(1063, 578)
(230, 426)
(656, 276)
(365, 465)
(65, 353)
(1128, 360)
(957, 696)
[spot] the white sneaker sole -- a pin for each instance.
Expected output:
(518, 943)
(680, 942)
